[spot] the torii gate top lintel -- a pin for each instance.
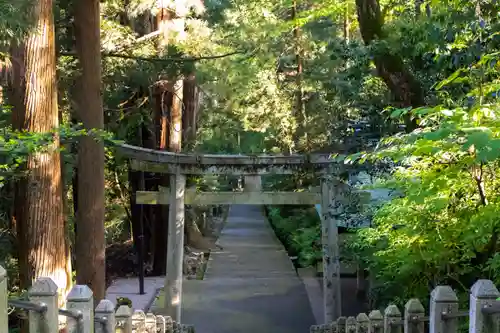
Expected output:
(150, 160)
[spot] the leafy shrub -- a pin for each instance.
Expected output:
(299, 230)
(448, 217)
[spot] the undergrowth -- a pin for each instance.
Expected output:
(299, 229)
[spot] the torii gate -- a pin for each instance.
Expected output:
(178, 165)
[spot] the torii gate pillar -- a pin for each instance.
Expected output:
(175, 253)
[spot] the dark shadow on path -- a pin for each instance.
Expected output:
(270, 311)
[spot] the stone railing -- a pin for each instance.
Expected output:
(45, 316)
(483, 315)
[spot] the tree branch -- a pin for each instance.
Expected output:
(478, 177)
(160, 60)
(148, 36)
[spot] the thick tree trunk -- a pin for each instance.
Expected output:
(169, 131)
(175, 129)
(160, 223)
(145, 137)
(163, 102)
(74, 184)
(191, 97)
(168, 119)
(38, 197)
(90, 241)
(390, 68)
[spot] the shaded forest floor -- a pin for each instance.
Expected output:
(121, 261)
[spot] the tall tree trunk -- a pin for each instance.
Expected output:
(38, 207)
(142, 213)
(163, 101)
(191, 97)
(74, 182)
(168, 116)
(90, 241)
(67, 210)
(390, 67)
(144, 26)
(300, 111)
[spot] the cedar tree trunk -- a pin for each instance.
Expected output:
(168, 118)
(38, 212)
(90, 241)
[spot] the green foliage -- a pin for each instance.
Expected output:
(16, 146)
(123, 301)
(14, 23)
(444, 228)
(300, 232)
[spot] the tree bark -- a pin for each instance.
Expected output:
(191, 108)
(168, 119)
(38, 207)
(74, 184)
(147, 140)
(90, 241)
(146, 213)
(300, 110)
(191, 97)
(163, 100)
(390, 68)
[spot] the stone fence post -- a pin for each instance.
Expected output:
(376, 322)
(4, 294)
(124, 319)
(44, 292)
(81, 298)
(391, 316)
(482, 295)
(414, 312)
(443, 301)
(105, 310)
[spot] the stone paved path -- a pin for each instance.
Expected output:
(129, 288)
(250, 286)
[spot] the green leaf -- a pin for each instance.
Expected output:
(399, 112)
(440, 134)
(453, 77)
(478, 139)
